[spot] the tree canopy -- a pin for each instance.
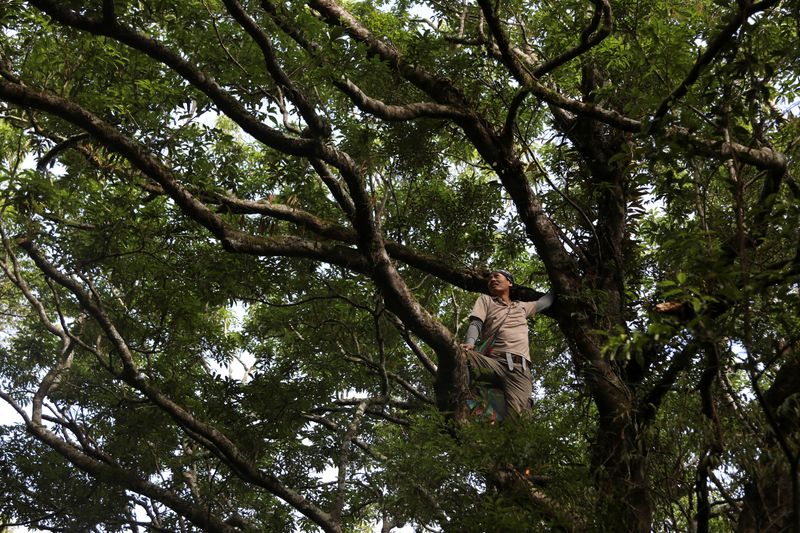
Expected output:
(241, 240)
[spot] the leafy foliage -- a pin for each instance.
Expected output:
(241, 242)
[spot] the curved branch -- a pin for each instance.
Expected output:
(762, 158)
(489, 47)
(396, 112)
(333, 185)
(504, 46)
(468, 279)
(53, 376)
(66, 144)
(302, 218)
(318, 125)
(421, 355)
(722, 39)
(652, 400)
(591, 36)
(511, 116)
(441, 90)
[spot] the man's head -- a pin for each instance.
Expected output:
(500, 282)
(505, 273)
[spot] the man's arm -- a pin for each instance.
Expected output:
(544, 302)
(476, 318)
(473, 332)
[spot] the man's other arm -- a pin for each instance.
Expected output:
(544, 302)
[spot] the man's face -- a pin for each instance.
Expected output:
(498, 284)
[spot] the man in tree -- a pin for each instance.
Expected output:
(502, 325)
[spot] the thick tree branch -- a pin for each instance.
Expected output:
(468, 279)
(680, 361)
(231, 238)
(762, 157)
(66, 144)
(396, 112)
(511, 115)
(503, 44)
(318, 125)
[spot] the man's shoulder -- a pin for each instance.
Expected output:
(528, 306)
(485, 298)
(486, 303)
(491, 301)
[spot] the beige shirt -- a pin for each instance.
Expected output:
(509, 320)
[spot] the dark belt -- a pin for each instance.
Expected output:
(511, 359)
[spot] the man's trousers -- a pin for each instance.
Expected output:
(516, 384)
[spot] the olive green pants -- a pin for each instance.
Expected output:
(516, 384)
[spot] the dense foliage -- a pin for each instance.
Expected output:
(241, 240)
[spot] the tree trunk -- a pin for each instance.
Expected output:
(619, 450)
(619, 465)
(450, 386)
